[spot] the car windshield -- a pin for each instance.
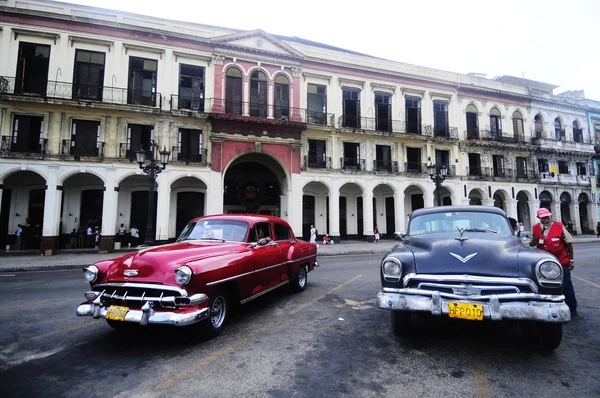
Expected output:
(471, 221)
(215, 230)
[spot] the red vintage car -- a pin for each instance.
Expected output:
(217, 261)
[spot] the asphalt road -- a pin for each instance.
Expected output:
(329, 341)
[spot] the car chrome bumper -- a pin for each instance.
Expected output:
(147, 315)
(530, 307)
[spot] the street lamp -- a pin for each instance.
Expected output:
(438, 175)
(152, 170)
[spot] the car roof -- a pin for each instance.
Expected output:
(470, 208)
(249, 218)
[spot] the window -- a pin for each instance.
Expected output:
(472, 123)
(498, 166)
(440, 119)
(581, 169)
(317, 104)
(142, 81)
(233, 93)
(282, 98)
(282, 232)
(32, 69)
(383, 158)
(258, 94)
(383, 112)
(351, 108)
(563, 167)
(191, 88)
(351, 159)
(413, 161)
(543, 166)
(577, 133)
(521, 167)
(413, 115)
(558, 130)
(475, 165)
(539, 125)
(85, 138)
(442, 158)
(139, 137)
(495, 123)
(88, 77)
(317, 153)
(260, 231)
(27, 134)
(518, 126)
(189, 145)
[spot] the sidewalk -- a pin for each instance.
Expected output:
(77, 259)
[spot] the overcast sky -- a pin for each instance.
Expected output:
(554, 41)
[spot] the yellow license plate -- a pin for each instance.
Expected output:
(465, 311)
(116, 313)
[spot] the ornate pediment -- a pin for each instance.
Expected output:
(255, 41)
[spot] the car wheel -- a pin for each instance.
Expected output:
(401, 322)
(219, 312)
(541, 335)
(298, 284)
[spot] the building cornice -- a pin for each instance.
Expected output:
(137, 47)
(89, 40)
(35, 33)
(493, 92)
(201, 57)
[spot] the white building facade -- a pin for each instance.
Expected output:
(262, 124)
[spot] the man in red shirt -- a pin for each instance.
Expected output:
(554, 238)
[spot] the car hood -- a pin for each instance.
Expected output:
(158, 264)
(480, 255)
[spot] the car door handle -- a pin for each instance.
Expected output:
(274, 244)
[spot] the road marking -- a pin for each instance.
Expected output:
(481, 384)
(6, 275)
(214, 356)
(585, 280)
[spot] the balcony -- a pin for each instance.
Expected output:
(385, 166)
(446, 133)
(32, 146)
(320, 118)
(478, 172)
(547, 177)
(49, 89)
(500, 174)
(126, 151)
(472, 134)
(352, 164)
(188, 104)
(489, 135)
(567, 179)
(521, 174)
(317, 162)
(189, 155)
(68, 148)
(269, 113)
(415, 168)
(581, 144)
(584, 180)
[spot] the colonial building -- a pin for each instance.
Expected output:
(261, 123)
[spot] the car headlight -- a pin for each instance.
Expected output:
(183, 275)
(391, 268)
(550, 270)
(91, 273)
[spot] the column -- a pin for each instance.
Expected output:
(368, 213)
(511, 208)
(334, 213)
(295, 95)
(219, 105)
(51, 221)
(401, 219)
(534, 206)
(161, 230)
(575, 219)
(109, 213)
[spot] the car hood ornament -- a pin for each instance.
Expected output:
(463, 259)
(461, 238)
(130, 272)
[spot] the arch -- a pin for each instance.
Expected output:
(545, 196)
(63, 177)
(538, 122)
(281, 78)
(471, 108)
(517, 115)
(311, 181)
(500, 197)
(234, 71)
(16, 169)
(565, 197)
(258, 93)
(495, 112)
(575, 124)
(252, 154)
(387, 185)
(258, 74)
(558, 123)
(476, 196)
(583, 198)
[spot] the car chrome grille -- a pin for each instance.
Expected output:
(466, 289)
(135, 295)
(467, 285)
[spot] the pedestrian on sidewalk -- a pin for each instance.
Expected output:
(598, 229)
(313, 234)
(122, 231)
(135, 234)
(376, 233)
(554, 238)
(90, 235)
(73, 236)
(18, 233)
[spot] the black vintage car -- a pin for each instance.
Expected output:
(465, 262)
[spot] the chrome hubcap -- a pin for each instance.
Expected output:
(217, 312)
(302, 277)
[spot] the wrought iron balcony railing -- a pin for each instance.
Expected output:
(189, 155)
(127, 151)
(352, 164)
(502, 172)
(258, 110)
(317, 162)
(478, 171)
(472, 134)
(187, 103)
(350, 121)
(489, 135)
(390, 166)
(32, 145)
(415, 168)
(413, 128)
(69, 147)
(447, 132)
(320, 118)
(524, 174)
(79, 92)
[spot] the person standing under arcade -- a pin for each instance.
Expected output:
(554, 238)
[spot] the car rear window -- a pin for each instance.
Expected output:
(282, 232)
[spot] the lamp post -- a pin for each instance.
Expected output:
(152, 170)
(438, 175)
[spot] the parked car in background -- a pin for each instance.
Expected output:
(217, 261)
(464, 262)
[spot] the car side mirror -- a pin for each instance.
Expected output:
(399, 235)
(262, 241)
